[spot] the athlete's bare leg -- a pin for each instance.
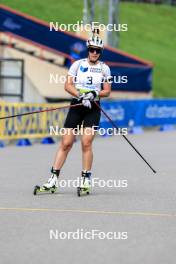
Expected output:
(64, 148)
(87, 153)
(61, 155)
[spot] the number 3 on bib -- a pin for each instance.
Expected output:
(89, 80)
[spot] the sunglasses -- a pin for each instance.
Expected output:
(92, 50)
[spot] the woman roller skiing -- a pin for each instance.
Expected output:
(87, 88)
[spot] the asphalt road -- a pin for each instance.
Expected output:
(142, 214)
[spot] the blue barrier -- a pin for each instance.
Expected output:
(23, 142)
(137, 113)
(2, 144)
(167, 128)
(47, 140)
(136, 130)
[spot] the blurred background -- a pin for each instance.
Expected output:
(34, 58)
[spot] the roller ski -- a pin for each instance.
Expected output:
(50, 186)
(85, 186)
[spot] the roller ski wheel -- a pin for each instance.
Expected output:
(38, 189)
(82, 191)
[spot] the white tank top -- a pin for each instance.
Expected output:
(89, 77)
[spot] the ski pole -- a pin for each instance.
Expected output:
(41, 111)
(129, 142)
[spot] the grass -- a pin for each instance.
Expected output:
(151, 33)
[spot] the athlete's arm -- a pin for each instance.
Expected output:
(69, 86)
(106, 90)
